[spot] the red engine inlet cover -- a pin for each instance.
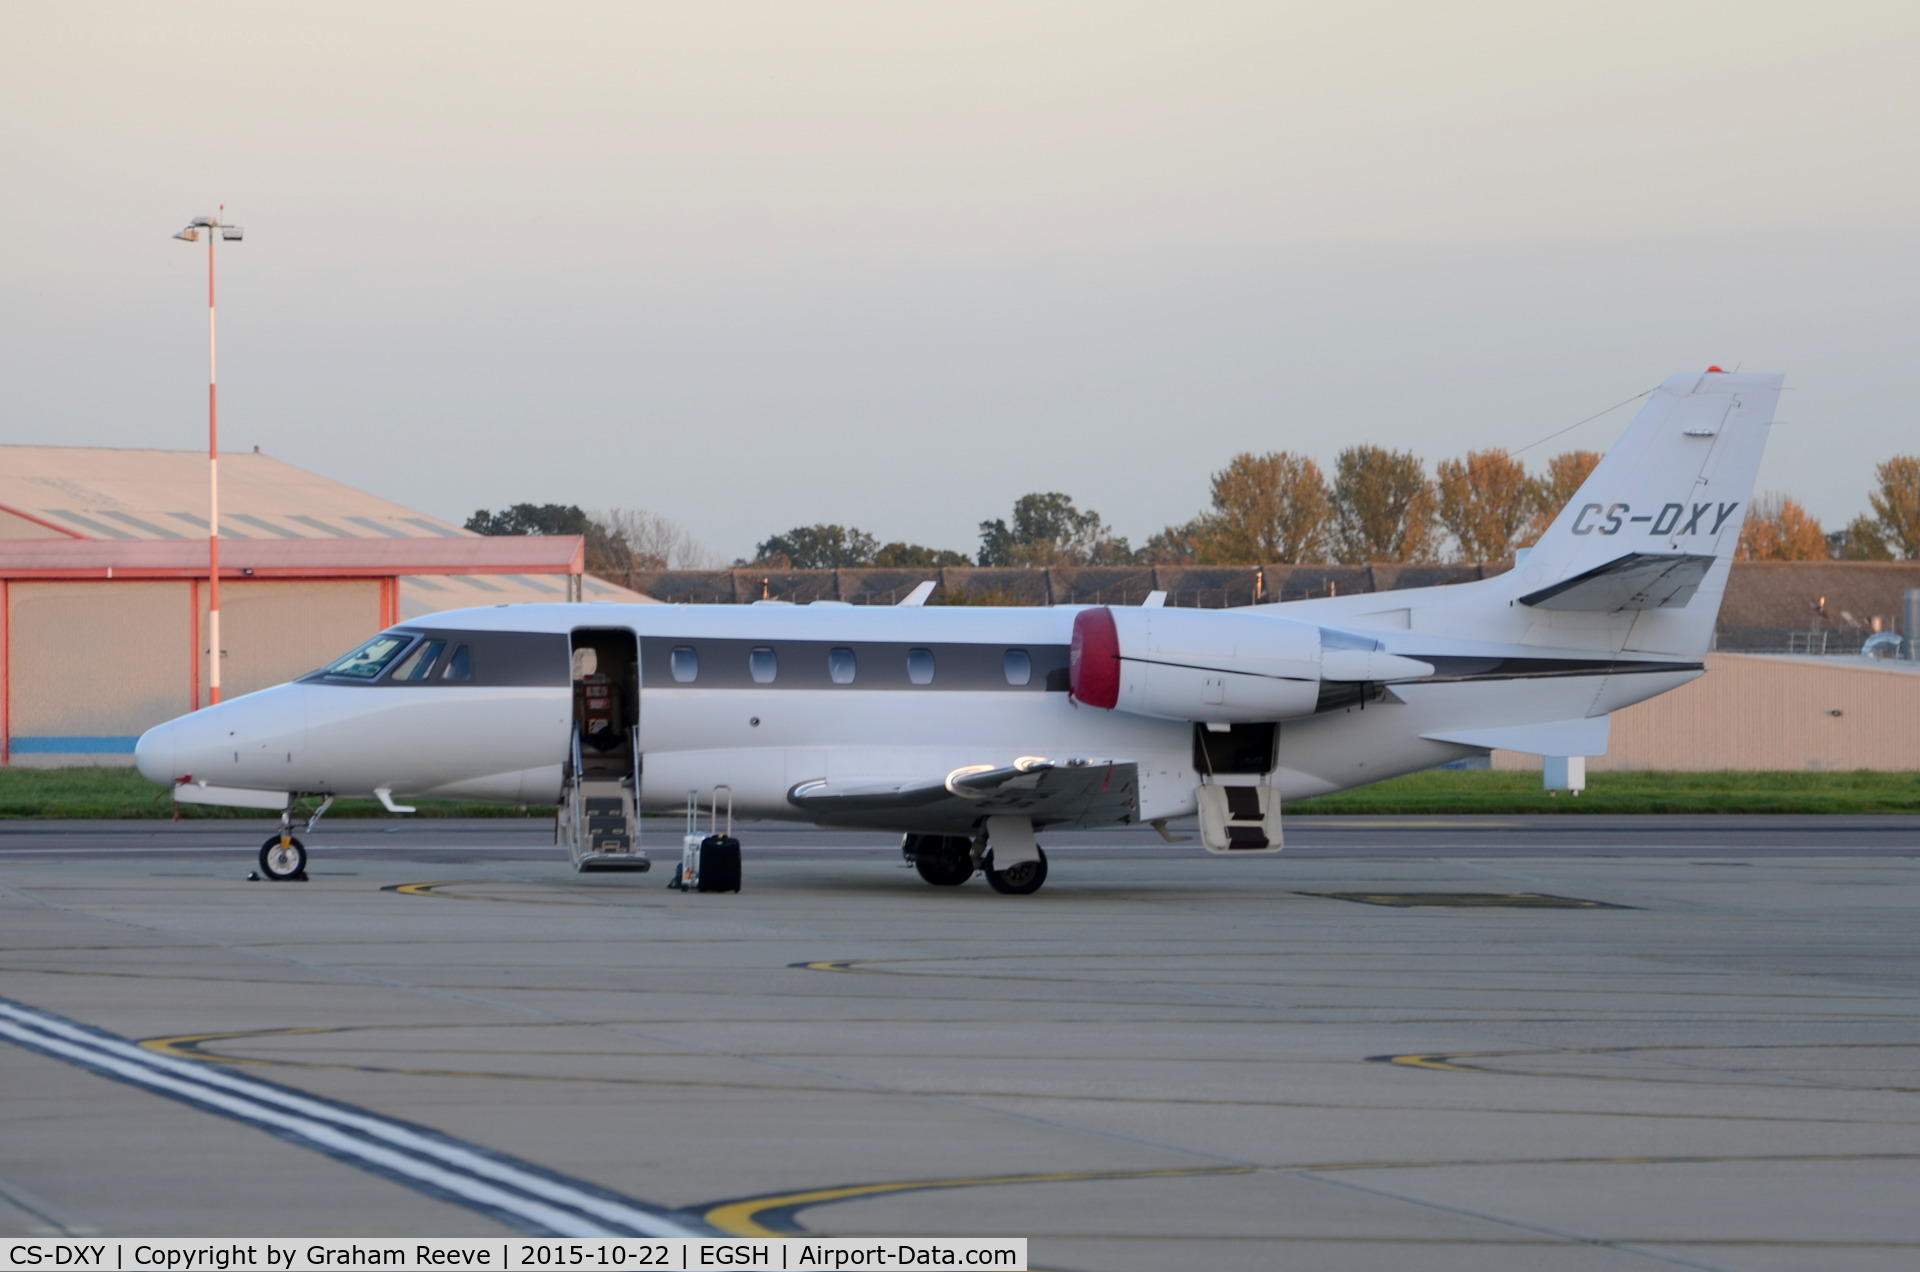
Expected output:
(1094, 663)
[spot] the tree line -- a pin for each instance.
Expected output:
(1379, 506)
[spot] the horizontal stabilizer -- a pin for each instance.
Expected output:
(1056, 793)
(1636, 581)
(1584, 736)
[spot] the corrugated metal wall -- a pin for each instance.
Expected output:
(277, 629)
(1767, 713)
(95, 664)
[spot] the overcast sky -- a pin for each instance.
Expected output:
(895, 264)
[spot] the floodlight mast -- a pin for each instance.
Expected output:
(215, 230)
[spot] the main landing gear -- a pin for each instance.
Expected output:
(947, 861)
(1023, 878)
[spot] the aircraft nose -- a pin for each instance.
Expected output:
(232, 743)
(154, 753)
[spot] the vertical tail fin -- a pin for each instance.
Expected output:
(1652, 532)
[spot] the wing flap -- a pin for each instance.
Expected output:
(1052, 792)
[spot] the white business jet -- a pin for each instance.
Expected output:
(969, 730)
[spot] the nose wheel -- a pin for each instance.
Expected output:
(283, 859)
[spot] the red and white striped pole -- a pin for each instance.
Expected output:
(214, 230)
(213, 481)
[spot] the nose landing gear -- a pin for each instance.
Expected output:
(283, 859)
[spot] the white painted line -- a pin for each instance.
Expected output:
(521, 1195)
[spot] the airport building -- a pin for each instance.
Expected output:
(104, 590)
(1768, 713)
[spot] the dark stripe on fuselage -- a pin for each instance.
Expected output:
(494, 659)
(726, 663)
(506, 658)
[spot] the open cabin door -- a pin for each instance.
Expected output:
(1239, 805)
(599, 815)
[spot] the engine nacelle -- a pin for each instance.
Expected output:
(1219, 666)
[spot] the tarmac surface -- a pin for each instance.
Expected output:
(1486, 1043)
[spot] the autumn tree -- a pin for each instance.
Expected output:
(1272, 507)
(1484, 501)
(1777, 528)
(1383, 509)
(1555, 489)
(1175, 545)
(1896, 506)
(1048, 530)
(1860, 541)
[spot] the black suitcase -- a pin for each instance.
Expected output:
(719, 869)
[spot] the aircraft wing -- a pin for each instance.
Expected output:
(1636, 581)
(1057, 793)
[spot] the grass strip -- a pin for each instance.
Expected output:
(119, 793)
(123, 793)
(1627, 792)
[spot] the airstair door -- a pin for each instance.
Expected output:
(1239, 805)
(599, 816)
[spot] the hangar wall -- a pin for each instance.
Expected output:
(93, 664)
(90, 663)
(1756, 712)
(277, 629)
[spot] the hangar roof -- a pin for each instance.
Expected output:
(120, 495)
(276, 558)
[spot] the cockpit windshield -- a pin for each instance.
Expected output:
(368, 661)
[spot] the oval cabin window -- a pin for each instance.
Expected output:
(840, 666)
(1019, 667)
(920, 666)
(686, 664)
(764, 666)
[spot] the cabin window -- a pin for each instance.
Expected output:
(368, 661)
(1019, 667)
(418, 664)
(840, 666)
(763, 664)
(686, 664)
(920, 666)
(460, 666)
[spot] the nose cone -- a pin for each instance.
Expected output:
(235, 743)
(154, 753)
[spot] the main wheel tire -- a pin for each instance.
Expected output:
(1018, 880)
(945, 870)
(281, 864)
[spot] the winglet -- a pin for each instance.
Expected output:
(920, 593)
